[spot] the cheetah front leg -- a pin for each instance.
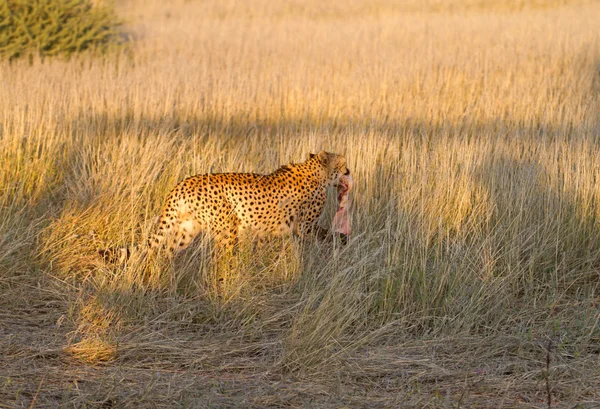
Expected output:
(309, 213)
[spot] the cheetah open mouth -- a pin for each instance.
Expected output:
(341, 220)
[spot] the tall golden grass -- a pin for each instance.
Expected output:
(472, 130)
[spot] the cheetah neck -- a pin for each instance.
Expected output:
(310, 171)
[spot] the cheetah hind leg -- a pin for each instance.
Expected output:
(186, 233)
(227, 239)
(225, 247)
(174, 235)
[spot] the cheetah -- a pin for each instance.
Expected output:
(288, 201)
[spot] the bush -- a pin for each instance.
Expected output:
(55, 27)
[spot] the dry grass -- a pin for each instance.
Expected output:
(473, 132)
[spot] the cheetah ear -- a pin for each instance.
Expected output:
(323, 157)
(311, 155)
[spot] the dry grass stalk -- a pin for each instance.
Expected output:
(472, 134)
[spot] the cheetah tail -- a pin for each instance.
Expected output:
(115, 254)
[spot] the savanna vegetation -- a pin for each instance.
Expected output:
(55, 27)
(472, 129)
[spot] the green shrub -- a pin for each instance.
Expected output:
(55, 27)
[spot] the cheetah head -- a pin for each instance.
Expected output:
(334, 166)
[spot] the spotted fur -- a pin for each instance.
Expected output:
(226, 205)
